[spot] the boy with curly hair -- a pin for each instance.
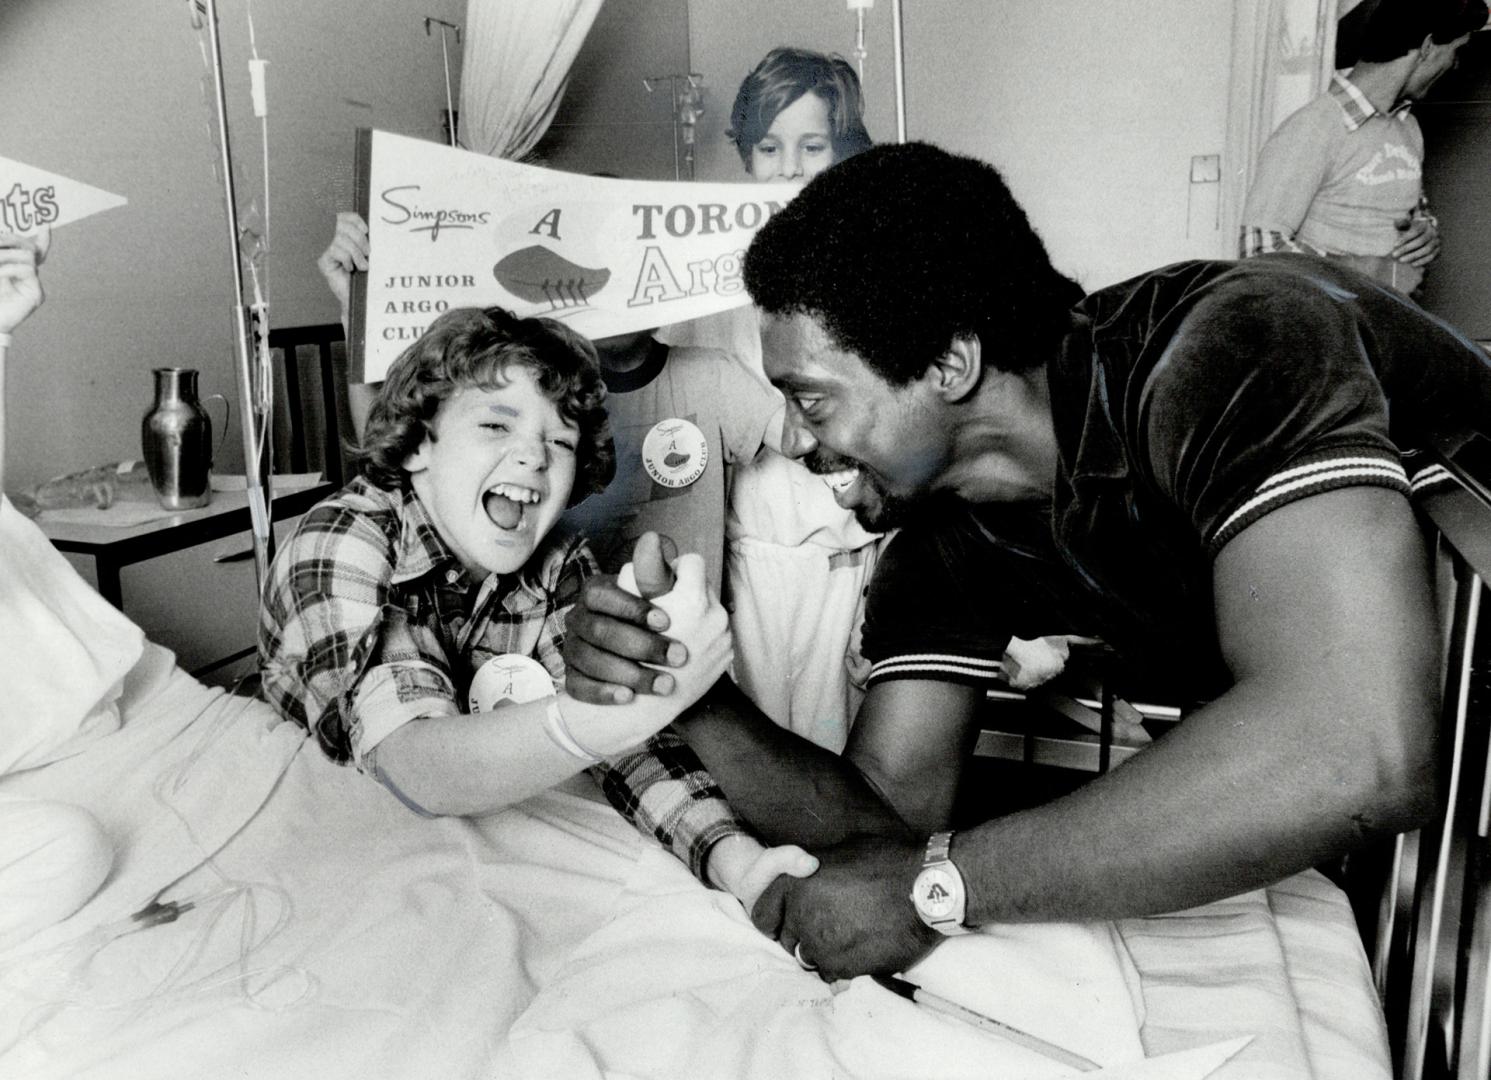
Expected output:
(413, 621)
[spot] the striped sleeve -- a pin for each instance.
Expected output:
(1313, 475)
(1256, 241)
(934, 612)
(1264, 394)
(943, 667)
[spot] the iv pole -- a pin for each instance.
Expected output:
(450, 107)
(689, 102)
(898, 47)
(257, 409)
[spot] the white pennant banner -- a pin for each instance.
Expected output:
(451, 228)
(32, 197)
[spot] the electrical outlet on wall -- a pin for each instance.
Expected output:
(1206, 169)
(1203, 196)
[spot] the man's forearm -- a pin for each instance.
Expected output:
(1219, 806)
(789, 790)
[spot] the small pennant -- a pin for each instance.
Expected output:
(32, 197)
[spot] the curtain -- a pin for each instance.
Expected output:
(514, 69)
(1282, 56)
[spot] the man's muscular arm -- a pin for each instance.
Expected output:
(787, 789)
(1327, 738)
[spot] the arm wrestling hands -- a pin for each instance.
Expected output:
(738, 863)
(1325, 739)
(791, 791)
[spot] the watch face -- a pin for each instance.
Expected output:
(936, 893)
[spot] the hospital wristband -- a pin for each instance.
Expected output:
(560, 735)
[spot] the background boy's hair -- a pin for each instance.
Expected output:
(1380, 31)
(468, 347)
(786, 74)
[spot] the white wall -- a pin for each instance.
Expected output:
(1093, 111)
(608, 120)
(112, 94)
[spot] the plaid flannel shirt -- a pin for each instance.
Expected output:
(369, 622)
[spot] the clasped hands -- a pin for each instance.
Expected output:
(845, 911)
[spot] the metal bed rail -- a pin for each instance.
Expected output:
(1432, 955)
(1430, 940)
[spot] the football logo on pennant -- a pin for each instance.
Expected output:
(541, 276)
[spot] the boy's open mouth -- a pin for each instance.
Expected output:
(505, 503)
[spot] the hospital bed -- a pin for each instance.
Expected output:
(270, 914)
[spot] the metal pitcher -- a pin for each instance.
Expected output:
(176, 439)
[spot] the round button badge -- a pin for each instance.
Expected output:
(509, 679)
(675, 453)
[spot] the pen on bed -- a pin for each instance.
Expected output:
(912, 992)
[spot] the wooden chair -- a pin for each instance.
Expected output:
(315, 402)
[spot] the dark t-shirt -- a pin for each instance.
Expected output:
(1188, 403)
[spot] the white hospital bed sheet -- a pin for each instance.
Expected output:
(1284, 965)
(338, 935)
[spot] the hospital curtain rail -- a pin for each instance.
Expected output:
(1431, 957)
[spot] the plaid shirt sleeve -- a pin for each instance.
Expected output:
(337, 656)
(664, 790)
(661, 788)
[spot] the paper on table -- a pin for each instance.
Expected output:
(281, 482)
(122, 514)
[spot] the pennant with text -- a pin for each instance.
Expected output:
(32, 197)
(451, 228)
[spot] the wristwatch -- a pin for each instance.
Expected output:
(940, 897)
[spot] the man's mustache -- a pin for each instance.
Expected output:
(821, 462)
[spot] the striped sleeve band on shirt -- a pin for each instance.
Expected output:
(941, 667)
(1352, 467)
(1430, 477)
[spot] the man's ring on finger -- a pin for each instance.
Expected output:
(797, 955)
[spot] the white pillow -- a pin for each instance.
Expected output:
(64, 650)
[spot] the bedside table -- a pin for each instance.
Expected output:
(187, 579)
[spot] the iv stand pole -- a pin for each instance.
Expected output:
(899, 48)
(258, 449)
(450, 106)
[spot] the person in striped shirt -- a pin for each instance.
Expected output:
(1342, 176)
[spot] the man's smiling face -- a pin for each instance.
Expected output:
(497, 472)
(883, 448)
